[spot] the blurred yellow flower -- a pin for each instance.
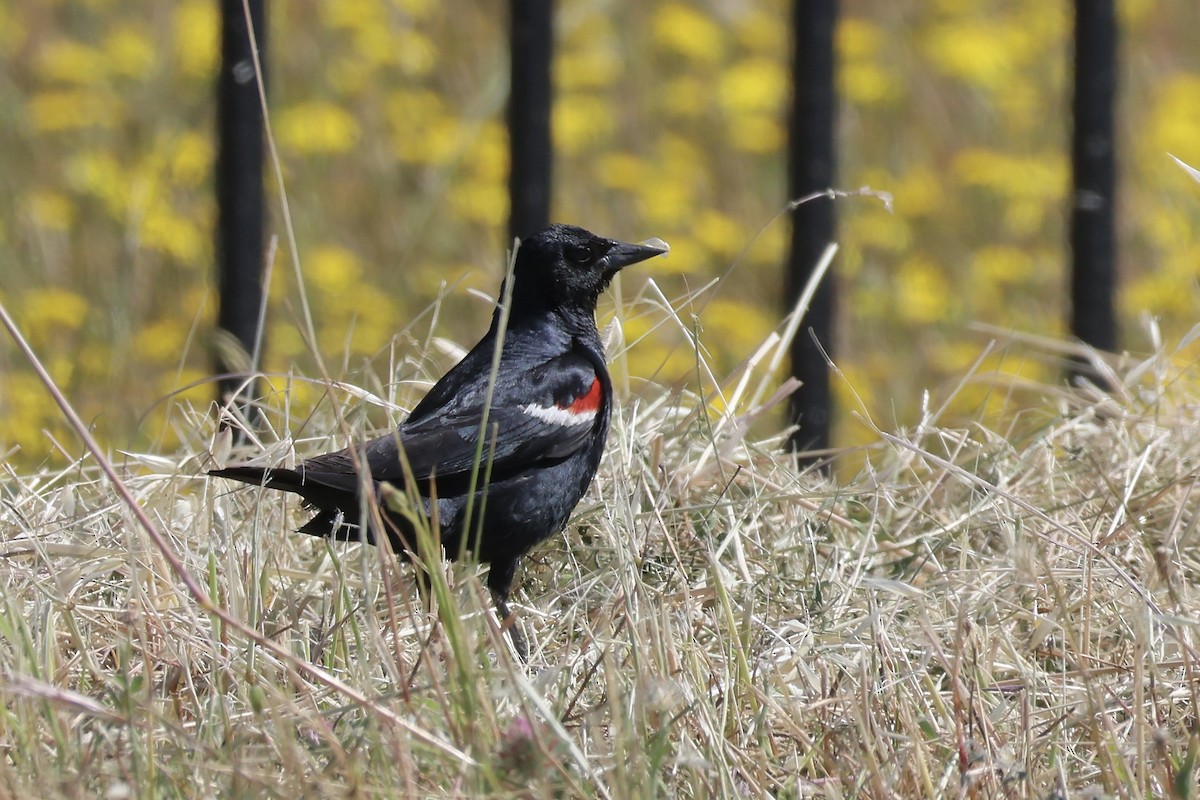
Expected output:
(51, 210)
(1173, 125)
(414, 53)
(50, 309)
(859, 38)
(1043, 177)
(762, 31)
(100, 175)
(1025, 216)
(734, 328)
(665, 203)
(331, 269)
(1169, 232)
(161, 342)
(353, 14)
(1001, 265)
(385, 44)
(685, 96)
(688, 256)
(1131, 13)
(889, 232)
(485, 202)
(316, 127)
(621, 171)
(753, 85)
(922, 293)
(129, 52)
(487, 154)
(67, 110)
(681, 29)
(590, 68)
(422, 130)
(719, 233)
(285, 344)
(755, 133)
(917, 193)
(581, 122)
(1169, 290)
(983, 53)
(23, 412)
(867, 84)
(167, 232)
(196, 38)
(69, 61)
(191, 159)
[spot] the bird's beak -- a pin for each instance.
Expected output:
(622, 254)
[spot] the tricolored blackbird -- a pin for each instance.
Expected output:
(546, 425)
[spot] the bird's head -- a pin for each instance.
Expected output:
(567, 267)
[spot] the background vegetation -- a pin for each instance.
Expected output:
(1000, 602)
(388, 119)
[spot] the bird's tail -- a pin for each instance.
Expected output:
(334, 495)
(287, 480)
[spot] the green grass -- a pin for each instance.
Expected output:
(979, 612)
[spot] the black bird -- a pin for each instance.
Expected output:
(546, 425)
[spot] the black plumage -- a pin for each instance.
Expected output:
(546, 424)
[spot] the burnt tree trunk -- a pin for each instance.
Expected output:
(529, 105)
(811, 168)
(239, 236)
(1093, 163)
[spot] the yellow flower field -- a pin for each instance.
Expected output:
(388, 115)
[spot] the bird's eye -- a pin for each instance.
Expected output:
(580, 254)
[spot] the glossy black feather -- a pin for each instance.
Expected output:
(545, 429)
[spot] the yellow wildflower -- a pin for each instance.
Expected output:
(56, 111)
(69, 61)
(922, 293)
(581, 122)
(196, 38)
(755, 133)
(161, 342)
(590, 68)
(621, 171)
(129, 52)
(682, 29)
(481, 201)
(719, 233)
(332, 269)
(1174, 120)
(317, 127)
(858, 38)
(753, 85)
(52, 309)
(191, 159)
(173, 234)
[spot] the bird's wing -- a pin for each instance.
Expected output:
(539, 415)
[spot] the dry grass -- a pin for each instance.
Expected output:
(979, 613)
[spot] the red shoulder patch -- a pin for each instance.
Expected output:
(589, 402)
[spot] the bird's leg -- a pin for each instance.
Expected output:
(499, 580)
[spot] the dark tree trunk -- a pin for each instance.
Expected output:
(239, 167)
(531, 94)
(1093, 160)
(811, 169)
